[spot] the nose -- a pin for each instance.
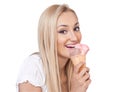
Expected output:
(73, 36)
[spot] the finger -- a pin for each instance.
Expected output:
(83, 79)
(87, 83)
(86, 76)
(77, 67)
(84, 71)
(88, 69)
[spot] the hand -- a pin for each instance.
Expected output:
(80, 80)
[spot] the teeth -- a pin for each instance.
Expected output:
(70, 46)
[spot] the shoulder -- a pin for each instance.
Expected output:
(32, 71)
(33, 60)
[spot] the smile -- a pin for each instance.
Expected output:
(70, 46)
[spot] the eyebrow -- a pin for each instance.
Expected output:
(67, 25)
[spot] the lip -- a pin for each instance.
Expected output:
(70, 49)
(70, 46)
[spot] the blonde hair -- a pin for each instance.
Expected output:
(48, 46)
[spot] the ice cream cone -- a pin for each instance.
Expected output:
(78, 54)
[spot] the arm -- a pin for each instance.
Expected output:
(27, 87)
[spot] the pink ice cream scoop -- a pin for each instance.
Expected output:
(79, 53)
(83, 48)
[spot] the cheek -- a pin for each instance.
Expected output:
(60, 43)
(79, 37)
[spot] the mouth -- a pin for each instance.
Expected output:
(70, 46)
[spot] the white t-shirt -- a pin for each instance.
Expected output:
(32, 71)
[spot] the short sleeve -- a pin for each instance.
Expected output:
(32, 71)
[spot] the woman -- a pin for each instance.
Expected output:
(51, 70)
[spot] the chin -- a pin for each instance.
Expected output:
(67, 55)
(64, 55)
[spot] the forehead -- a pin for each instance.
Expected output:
(67, 18)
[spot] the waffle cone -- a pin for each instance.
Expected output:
(76, 59)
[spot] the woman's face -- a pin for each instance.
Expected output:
(68, 33)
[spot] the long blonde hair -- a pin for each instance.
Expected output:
(47, 39)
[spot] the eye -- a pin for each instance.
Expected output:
(62, 31)
(77, 28)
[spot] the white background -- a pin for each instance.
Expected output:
(100, 26)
